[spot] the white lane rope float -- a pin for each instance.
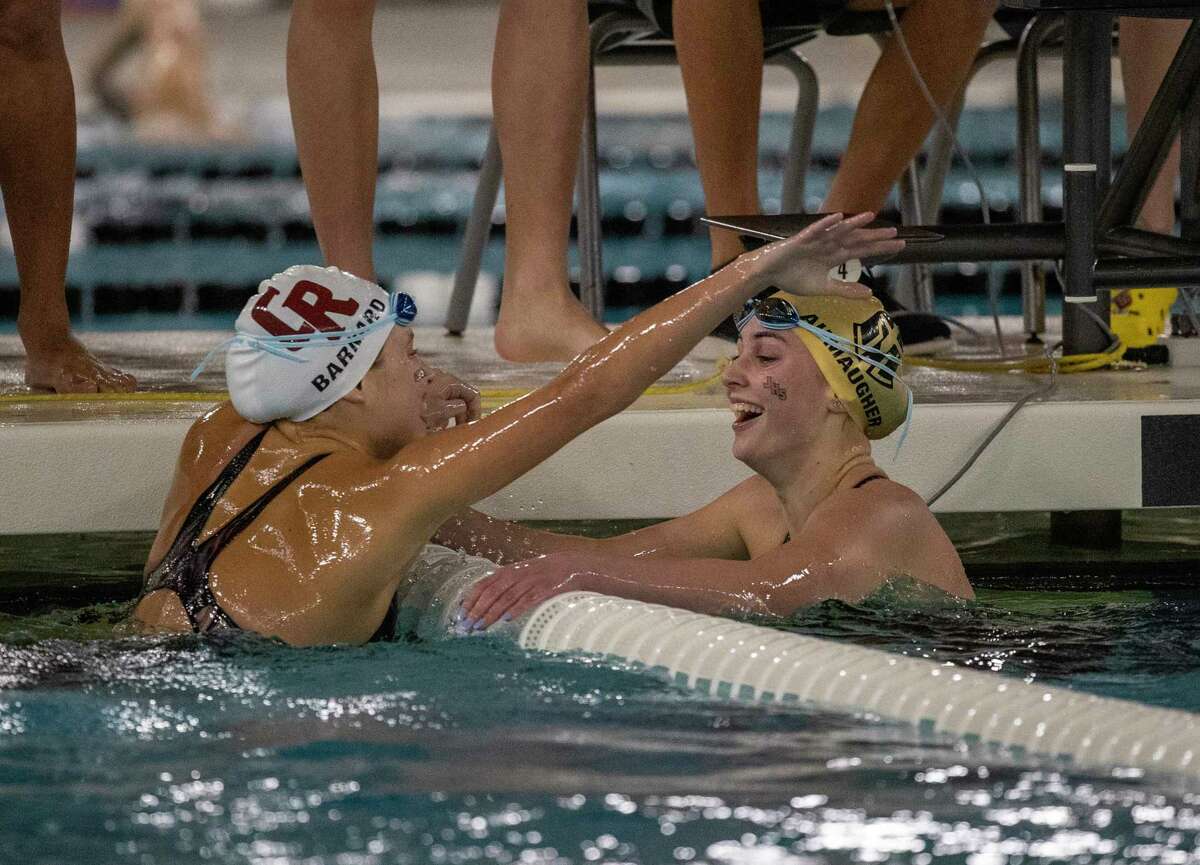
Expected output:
(734, 660)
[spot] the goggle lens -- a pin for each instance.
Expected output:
(774, 312)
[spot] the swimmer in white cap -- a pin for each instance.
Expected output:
(814, 380)
(297, 507)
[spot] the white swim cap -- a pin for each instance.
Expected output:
(305, 339)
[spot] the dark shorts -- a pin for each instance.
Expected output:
(774, 12)
(829, 14)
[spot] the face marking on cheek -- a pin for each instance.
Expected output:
(777, 390)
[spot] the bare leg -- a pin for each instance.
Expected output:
(37, 178)
(1139, 316)
(893, 118)
(539, 88)
(720, 51)
(1147, 47)
(334, 97)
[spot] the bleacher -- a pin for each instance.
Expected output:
(190, 231)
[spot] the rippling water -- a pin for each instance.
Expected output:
(115, 749)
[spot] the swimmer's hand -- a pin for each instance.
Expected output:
(447, 399)
(515, 589)
(801, 263)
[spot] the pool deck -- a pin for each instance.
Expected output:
(105, 464)
(1094, 443)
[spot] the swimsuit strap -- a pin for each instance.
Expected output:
(185, 568)
(211, 547)
(202, 509)
(199, 600)
(206, 552)
(387, 628)
(197, 516)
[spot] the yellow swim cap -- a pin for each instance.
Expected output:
(860, 358)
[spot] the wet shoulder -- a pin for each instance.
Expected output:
(214, 438)
(758, 515)
(883, 501)
(881, 521)
(896, 528)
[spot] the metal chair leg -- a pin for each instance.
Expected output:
(475, 240)
(603, 31)
(804, 121)
(588, 213)
(940, 159)
(1029, 164)
(1189, 170)
(915, 286)
(941, 150)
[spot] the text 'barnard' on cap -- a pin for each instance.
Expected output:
(306, 339)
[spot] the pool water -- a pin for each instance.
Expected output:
(117, 749)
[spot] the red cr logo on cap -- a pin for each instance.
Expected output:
(315, 312)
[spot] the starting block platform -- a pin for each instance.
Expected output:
(1114, 439)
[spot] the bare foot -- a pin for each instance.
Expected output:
(65, 366)
(553, 330)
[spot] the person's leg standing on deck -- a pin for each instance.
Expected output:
(1147, 47)
(539, 91)
(37, 181)
(333, 93)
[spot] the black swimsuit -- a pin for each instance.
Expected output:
(185, 569)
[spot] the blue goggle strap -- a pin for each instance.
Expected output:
(855, 350)
(402, 309)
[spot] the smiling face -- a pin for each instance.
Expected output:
(778, 395)
(393, 392)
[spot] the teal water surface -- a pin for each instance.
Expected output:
(118, 749)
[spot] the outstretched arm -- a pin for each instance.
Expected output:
(505, 541)
(461, 465)
(778, 583)
(712, 531)
(893, 534)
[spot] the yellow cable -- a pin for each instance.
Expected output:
(486, 394)
(137, 396)
(1069, 363)
(1037, 364)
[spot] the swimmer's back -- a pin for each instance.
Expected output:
(211, 442)
(296, 571)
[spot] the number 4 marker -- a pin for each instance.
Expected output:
(847, 271)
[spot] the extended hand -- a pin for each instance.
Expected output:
(445, 399)
(801, 263)
(515, 589)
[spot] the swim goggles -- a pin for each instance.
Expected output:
(776, 313)
(402, 310)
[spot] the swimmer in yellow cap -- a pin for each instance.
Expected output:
(814, 379)
(297, 507)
